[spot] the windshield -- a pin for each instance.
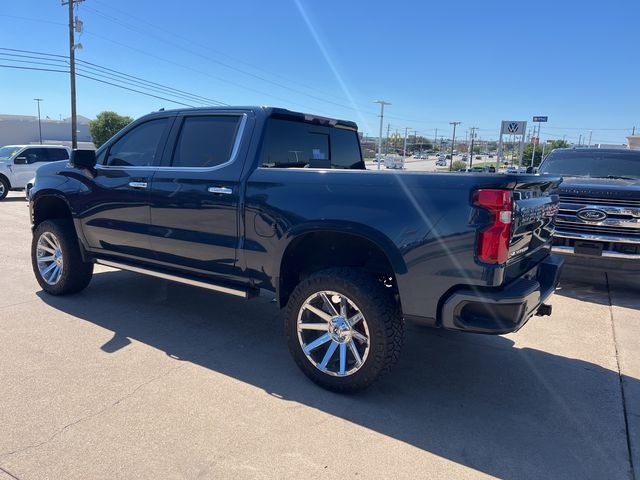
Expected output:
(7, 152)
(576, 163)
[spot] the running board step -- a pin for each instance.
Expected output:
(237, 291)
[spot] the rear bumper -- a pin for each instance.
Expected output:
(502, 310)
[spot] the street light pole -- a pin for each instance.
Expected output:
(39, 123)
(404, 150)
(473, 136)
(453, 143)
(382, 104)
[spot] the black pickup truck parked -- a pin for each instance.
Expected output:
(598, 226)
(242, 199)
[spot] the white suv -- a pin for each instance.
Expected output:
(18, 163)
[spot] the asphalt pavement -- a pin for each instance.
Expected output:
(136, 377)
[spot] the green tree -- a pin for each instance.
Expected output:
(458, 165)
(106, 125)
(528, 150)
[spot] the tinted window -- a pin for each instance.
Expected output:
(297, 144)
(56, 154)
(139, 146)
(590, 163)
(206, 141)
(345, 149)
(35, 155)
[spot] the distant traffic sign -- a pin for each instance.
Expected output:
(540, 119)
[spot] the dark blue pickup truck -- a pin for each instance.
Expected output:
(241, 199)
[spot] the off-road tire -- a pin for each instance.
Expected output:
(383, 317)
(76, 274)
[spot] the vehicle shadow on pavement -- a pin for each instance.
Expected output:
(476, 400)
(605, 292)
(14, 199)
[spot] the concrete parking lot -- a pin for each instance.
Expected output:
(139, 378)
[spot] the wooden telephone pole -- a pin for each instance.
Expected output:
(73, 26)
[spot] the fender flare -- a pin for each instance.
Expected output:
(379, 239)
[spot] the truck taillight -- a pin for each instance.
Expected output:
(493, 242)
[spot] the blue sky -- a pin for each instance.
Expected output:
(474, 62)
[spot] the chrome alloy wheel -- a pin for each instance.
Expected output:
(330, 321)
(49, 257)
(1, 189)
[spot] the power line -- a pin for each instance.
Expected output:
(33, 68)
(134, 84)
(35, 53)
(219, 62)
(105, 72)
(133, 90)
(208, 48)
(97, 80)
(31, 62)
(119, 73)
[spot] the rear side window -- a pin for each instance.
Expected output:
(56, 154)
(345, 150)
(138, 147)
(35, 155)
(206, 141)
(290, 144)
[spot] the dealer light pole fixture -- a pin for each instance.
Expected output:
(39, 123)
(382, 104)
(453, 143)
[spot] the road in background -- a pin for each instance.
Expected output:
(136, 377)
(429, 164)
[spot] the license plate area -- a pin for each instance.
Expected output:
(588, 248)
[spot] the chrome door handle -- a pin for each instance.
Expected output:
(138, 184)
(220, 190)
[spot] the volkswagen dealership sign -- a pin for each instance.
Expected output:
(513, 128)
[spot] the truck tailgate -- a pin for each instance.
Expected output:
(535, 205)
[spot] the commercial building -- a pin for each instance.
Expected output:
(23, 129)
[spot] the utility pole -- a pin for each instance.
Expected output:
(533, 141)
(386, 147)
(404, 150)
(453, 143)
(382, 104)
(590, 134)
(39, 124)
(580, 140)
(73, 26)
(473, 136)
(533, 144)
(435, 138)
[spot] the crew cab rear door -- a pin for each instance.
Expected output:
(195, 194)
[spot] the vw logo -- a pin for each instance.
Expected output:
(591, 215)
(513, 127)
